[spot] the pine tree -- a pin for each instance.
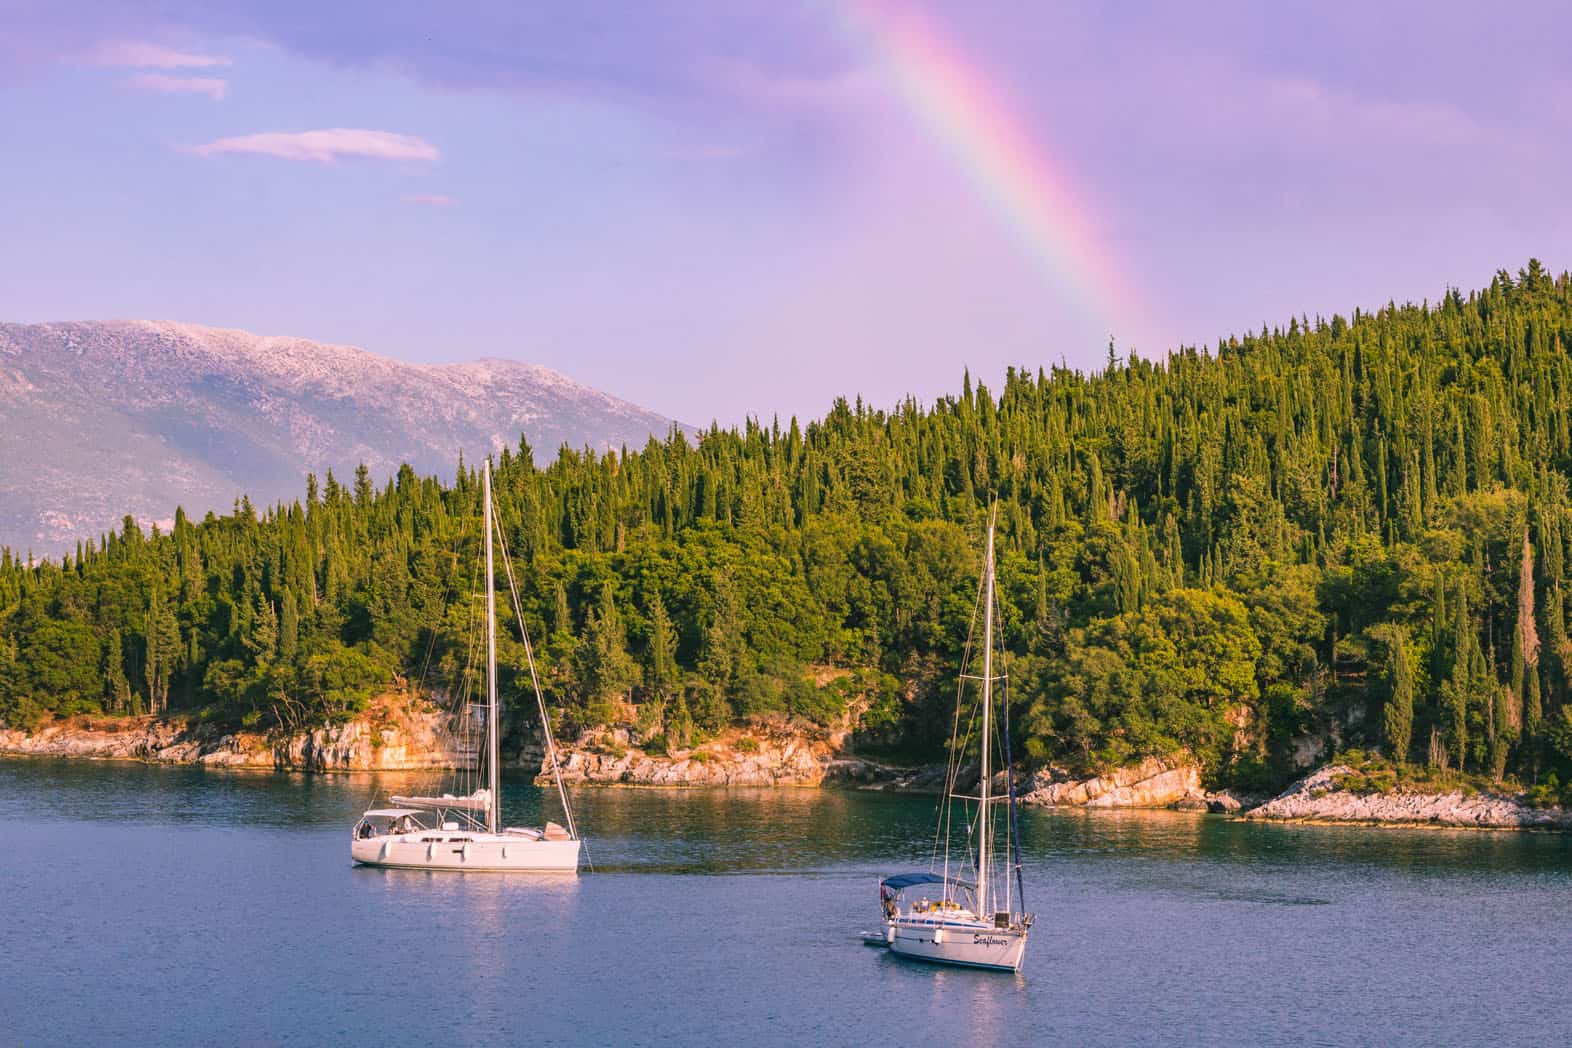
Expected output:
(261, 641)
(604, 669)
(679, 723)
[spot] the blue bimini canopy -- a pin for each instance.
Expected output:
(907, 880)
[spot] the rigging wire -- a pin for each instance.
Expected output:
(1012, 823)
(449, 594)
(468, 777)
(540, 698)
(956, 758)
(943, 820)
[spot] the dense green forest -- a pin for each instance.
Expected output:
(1337, 533)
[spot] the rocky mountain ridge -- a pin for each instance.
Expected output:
(107, 418)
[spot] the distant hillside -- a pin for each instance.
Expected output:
(103, 419)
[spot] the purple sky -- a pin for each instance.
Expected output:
(724, 207)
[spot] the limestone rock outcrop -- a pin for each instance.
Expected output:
(1153, 783)
(761, 757)
(394, 737)
(1321, 797)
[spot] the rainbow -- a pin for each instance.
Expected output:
(952, 100)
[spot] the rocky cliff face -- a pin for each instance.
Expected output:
(398, 734)
(418, 739)
(1153, 783)
(1320, 797)
(760, 757)
(781, 755)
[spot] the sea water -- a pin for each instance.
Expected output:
(160, 905)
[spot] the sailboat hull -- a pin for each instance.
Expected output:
(960, 927)
(468, 852)
(966, 943)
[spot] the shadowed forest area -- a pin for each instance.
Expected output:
(1344, 532)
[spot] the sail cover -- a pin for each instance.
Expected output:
(907, 880)
(480, 800)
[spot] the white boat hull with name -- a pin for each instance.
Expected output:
(974, 943)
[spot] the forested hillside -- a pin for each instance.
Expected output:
(1342, 532)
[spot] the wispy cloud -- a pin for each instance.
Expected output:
(430, 200)
(211, 86)
(1308, 107)
(326, 146)
(139, 54)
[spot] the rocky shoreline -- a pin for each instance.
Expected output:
(766, 755)
(400, 735)
(392, 736)
(759, 757)
(1322, 798)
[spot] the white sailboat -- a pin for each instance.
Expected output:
(941, 915)
(464, 833)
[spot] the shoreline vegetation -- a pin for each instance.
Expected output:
(1354, 790)
(1341, 535)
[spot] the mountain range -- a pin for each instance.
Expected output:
(106, 418)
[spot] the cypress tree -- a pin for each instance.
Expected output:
(1525, 643)
(288, 628)
(1398, 716)
(661, 677)
(117, 689)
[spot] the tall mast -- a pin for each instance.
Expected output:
(493, 742)
(985, 817)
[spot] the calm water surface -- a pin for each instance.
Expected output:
(152, 905)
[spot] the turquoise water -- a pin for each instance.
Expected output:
(151, 905)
